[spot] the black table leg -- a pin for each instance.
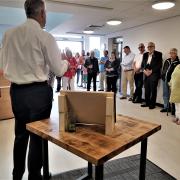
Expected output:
(142, 172)
(115, 107)
(45, 158)
(99, 172)
(89, 170)
(89, 174)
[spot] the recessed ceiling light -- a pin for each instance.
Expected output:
(162, 5)
(114, 22)
(88, 32)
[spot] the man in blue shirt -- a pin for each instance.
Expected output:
(102, 70)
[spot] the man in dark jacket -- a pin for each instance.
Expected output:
(168, 68)
(152, 64)
(92, 66)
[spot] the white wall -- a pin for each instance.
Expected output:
(165, 34)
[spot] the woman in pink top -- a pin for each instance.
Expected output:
(68, 77)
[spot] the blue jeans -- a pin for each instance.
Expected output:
(166, 94)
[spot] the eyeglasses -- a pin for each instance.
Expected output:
(150, 46)
(141, 47)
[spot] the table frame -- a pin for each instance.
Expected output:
(99, 169)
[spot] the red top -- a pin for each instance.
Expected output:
(72, 69)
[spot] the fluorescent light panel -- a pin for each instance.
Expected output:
(113, 22)
(162, 5)
(88, 32)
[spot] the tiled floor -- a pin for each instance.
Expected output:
(163, 147)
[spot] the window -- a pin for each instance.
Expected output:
(72, 45)
(94, 44)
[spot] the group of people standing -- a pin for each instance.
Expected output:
(87, 68)
(146, 69)
(107, 69)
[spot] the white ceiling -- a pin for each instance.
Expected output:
(96, 12)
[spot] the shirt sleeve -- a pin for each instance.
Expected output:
(53, 57)
(1, 60)
(1, 53)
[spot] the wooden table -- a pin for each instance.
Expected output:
(89, 143)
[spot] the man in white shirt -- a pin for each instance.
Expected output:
(127, 73)
(138, 74)
(28, 54)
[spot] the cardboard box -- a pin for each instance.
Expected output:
(91, 108)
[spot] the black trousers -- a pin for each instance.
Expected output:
(30, 103)
(58, 83)
(150, 85)
(111, 84)
(91, 76)
(138, 78)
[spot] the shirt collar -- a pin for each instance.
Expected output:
(33, 23)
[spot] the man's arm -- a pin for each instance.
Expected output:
(1, 61)
(97, 66)
(1, 53)
(53, 57)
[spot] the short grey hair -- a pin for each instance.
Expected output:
(33, 7)
(174, 50)
(151, 44)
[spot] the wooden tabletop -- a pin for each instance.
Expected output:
(89, 143)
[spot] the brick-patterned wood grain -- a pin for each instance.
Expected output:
(89, 143)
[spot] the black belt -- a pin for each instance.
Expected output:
(30, 84)
(128, 70)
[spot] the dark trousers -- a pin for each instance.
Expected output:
(91, 76)
(111, 84)
(79, 73)
(58, 83)
(29, 103)
(138, 78)
(150, 85)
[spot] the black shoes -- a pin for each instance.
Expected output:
(144, 105)
(137, 101)
(165, 110)
(151, 107)
(123, 97)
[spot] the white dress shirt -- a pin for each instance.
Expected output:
(28, 54)
(138, 60)
(127, 61)
(149, 58)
